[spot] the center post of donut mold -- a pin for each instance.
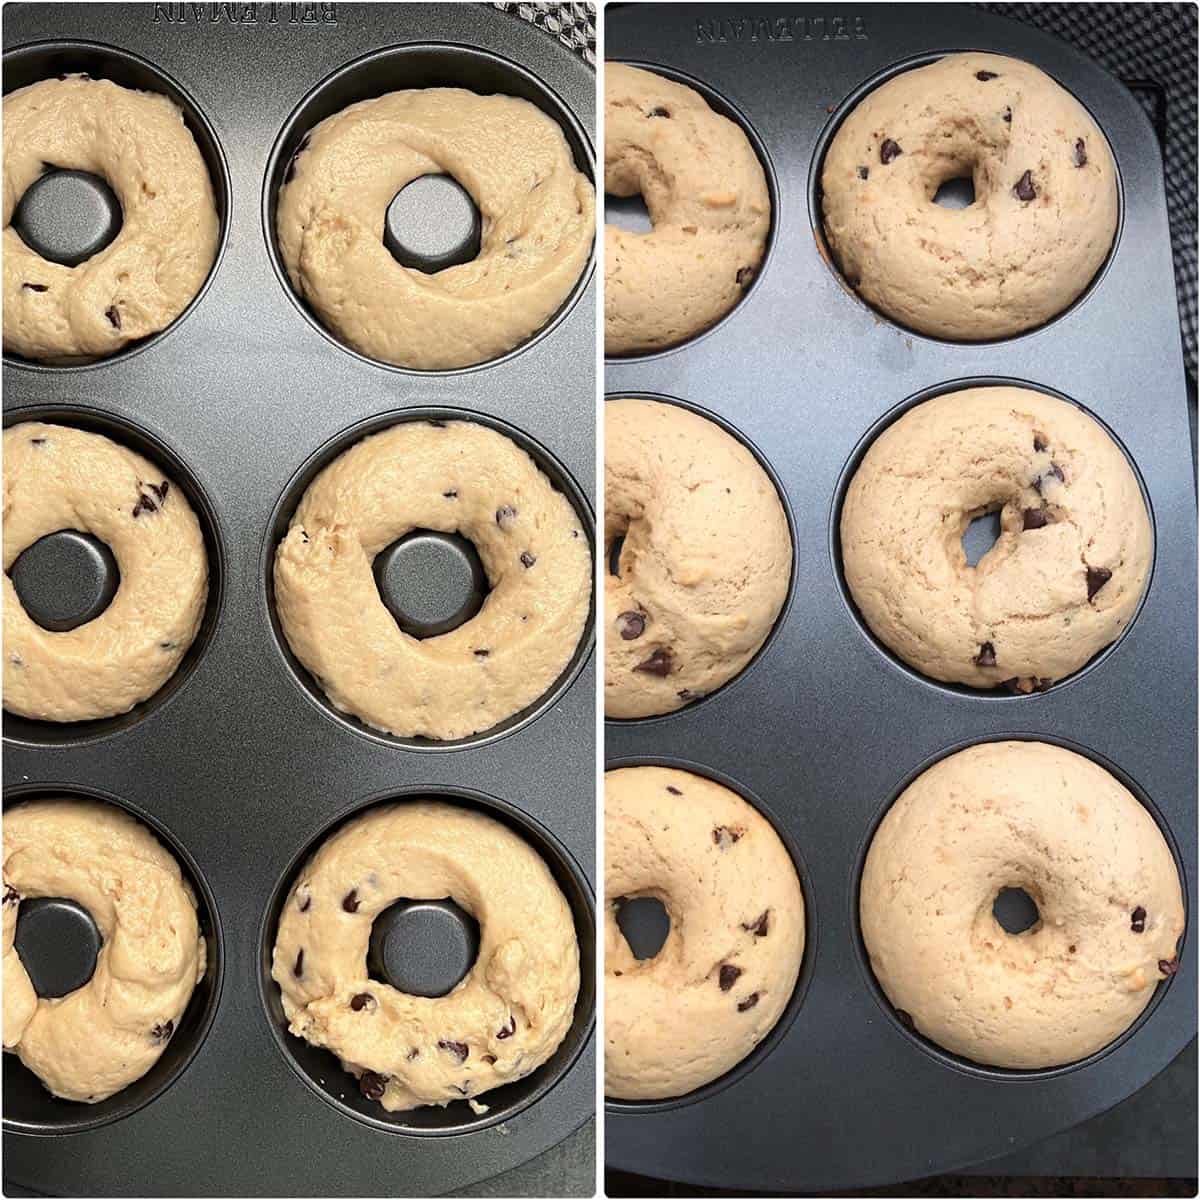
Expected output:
(432, 223)
(58, 944)
(645, 924)
(1015, 910)
(68, 216)
(431, 582)
(423, 947)
(65, 579)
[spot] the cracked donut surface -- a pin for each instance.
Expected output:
(705, 562)
(138, 284)
(707, 196)
(729, 965)
(1060, 583)
(452, 477)
(1046, 820)
(98, 1039)
(537, 212)
(502, 1021)
(1045, 208)
(56, 478)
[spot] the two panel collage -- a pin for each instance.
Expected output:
(517, 691)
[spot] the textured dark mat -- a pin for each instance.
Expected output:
(573, 24)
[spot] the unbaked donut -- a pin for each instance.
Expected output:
(707, 195)
(456, 477)
(1042, 819)
(499, 1024)
(138, 284)
(57, 477)
(730, 962)
(1061, 582)
(705, 563)
(538, 216)
(1045, 208)
(101, 1037)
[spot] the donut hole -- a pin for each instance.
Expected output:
(628, 212)
(957, 192)
(1015, 910)
(65, 579)
(981, 534)
(68, 216)
(58, 944)
(422, 947)
(432, 223)
(431, 582)
(645, 924)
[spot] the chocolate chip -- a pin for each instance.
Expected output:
(659, 663)
(1055, 472)
(674, 790)
(1072, 948)
(350, 901)
(864, 172)
(298, 969)
(527, 559)
(361, 1001)
(631, 625)
(449, 495)
(505, 516)
(37, 441)
(114, 316)
(508, 1029)
(1039, 443)
(984, 76)
(905, 1019)
(372, 1085)
(482, 653)
(1137, 920)
(659, 112)
(1023, 189)
(724, 836)
(1097, 577)
(688, 694)
(1080, 153)
(889, 150)
(167, 645)
(460, 1050)
(749, 1002)
(1168, 966)
(11, 895)
(489, 1059)
(413, 1054)
(1034, 518)
(161, 1033)
(744, 275)
(986, 656)
(1007, 116)
(161, 489)
(728, 976)
(35, 287)
(761, 926)
(144, 504)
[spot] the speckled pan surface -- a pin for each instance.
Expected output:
(846, 1097)
(240, 762)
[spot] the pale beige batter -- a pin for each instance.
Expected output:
(706, 193)
(538, 215)
(730, 962)
(1031, 816)
(500, 1023)
(57, 477)
(1045, 208)
(706, 560)
(1061, 582)
(455, 477)
(96, 1040)
(167, 244)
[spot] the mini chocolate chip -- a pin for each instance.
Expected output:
(361, 1001)
(659, 663)
(161, 489)
(527, 559)
(1080, 153)
(1097, 577)
(864, 172)
(508, 1029)
(674, 790)
(1055, 472)
(1137, 921)
(984, 76)
(413, 1054)
(489, 1059)
(986, 656)
(160, 1033)
(298, 969)
(744, 275)
(35, 287)
(631, 625)
(449, 495)
(1168, 966)
(167, 645)
(749, 1002)
(688, 694)
(37, 441)
(888, 150)
(113, 314)
(144, 504)
(460, 1050)
(905, 1019)
(659, 112)
(11, 895)
(729, 976)
(505, 516)
(1034, 518)
(761, 926)
(372, 1085)
(724, 836)
(1039, 443)
(482, 653)
(350, 901)
(1072, 948)
(1007, 116)
(1023, 189)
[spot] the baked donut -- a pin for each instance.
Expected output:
(456, 477)
(153, 268)
(538, 215)
(499, 1024)
(1052, 823)
(57, 477)
(1062, 580)
(730, 962)
(707, 195)
(1045, 208)
(98, 1039)
(705, 561)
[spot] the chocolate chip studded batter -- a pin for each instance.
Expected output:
(502, 1021)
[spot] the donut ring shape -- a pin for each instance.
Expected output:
(57, 477)
(1061, 582)
(101, 1037)
(707, 195)
(455, 477)
(1037, 817)
(167, 244)
(1042, 221)
(732, 956)
(502, 1021)
(705, 563)
(537, 211)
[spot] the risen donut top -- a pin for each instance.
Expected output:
(537, 215)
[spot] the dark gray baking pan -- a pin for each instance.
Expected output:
(826, 727)
(239, 763)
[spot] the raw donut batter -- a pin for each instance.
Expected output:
(500, 1023)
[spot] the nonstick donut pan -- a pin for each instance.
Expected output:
(825, 727)
(239, 763)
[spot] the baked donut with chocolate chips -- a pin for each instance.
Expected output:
(1061, 582)
(1045, 197)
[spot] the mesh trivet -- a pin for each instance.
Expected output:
(573, 24)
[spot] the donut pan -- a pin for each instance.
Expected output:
(825, 727)
(239, 763)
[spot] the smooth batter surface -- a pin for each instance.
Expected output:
(56, 477)
(538, 215)
(501, 1022)
(96, 1040)
(455, 477)
(1045, 209)
(706, 193)
(729, 965)
(150, 272)
(706, 560)
(1037, 817)
(1061, 582)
